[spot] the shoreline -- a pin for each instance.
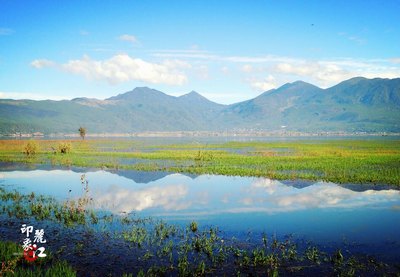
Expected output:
(203, 134)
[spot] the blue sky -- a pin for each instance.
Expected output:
(228, 51)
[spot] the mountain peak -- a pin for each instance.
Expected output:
(195, 98)
(192, 94)
(143, 90)
(352, 81)
(358, 79)
(297, 84)
(138, 92)
(295, 88)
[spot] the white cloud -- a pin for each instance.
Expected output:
(6, 31)
(265, 84)
(41, 63)
(173, 67)
(320, 71)
(129, 38)
(301, 70)
(330, 72)
(324, 72)
(123, 68)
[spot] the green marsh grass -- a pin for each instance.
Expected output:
(13, 263)
(340, 161)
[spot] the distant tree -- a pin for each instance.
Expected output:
(82, 132)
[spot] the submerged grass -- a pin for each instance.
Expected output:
(13, 264)
(340, 161)
(69, 213)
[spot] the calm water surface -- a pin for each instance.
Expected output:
(321, 212)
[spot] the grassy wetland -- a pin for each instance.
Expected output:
(339, 161)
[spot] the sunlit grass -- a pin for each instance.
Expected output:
(340, 161)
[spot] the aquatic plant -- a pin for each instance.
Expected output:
(40, 211)
(183, 266)
(31, 148)
(202, 157)
(64, 147)
(313, 254)
(136, 235)
(193, 226)
(94, 218)
(164, 231)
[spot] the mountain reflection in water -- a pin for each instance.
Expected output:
(261, 195)
(206, 194)
(316, 210)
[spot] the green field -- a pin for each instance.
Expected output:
(340, 161)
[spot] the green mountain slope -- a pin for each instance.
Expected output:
(358, 104)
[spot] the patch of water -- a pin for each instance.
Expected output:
(319, 211)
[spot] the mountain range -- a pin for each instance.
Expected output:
(354, 105)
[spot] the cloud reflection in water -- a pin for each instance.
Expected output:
(261, 195)
(119, 199)
(274, 196)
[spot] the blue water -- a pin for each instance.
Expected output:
(319, 211)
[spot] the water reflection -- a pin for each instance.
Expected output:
(260, 195)
(275, 196)
(119, 199)
(26, 170)
(177, 194)
(320, 211)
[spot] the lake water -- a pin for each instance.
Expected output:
(324, 213)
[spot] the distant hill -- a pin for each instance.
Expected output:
(358, 104)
